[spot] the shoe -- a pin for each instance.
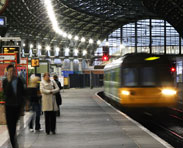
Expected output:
(39, 130)
(53, 133)
(31, 130)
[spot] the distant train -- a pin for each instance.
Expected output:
(141, 80)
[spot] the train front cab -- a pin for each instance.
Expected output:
(155, 96)
(147, 83)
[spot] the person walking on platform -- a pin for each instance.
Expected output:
(35, 103)
(58, 95)
(48, 90)
(13, 91)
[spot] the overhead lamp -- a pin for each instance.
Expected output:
(69, 36)
(64, 34)
(67, 50)
(59, 31)
(76, 38)
(107, 43)
(48, 48)
(84, 52)
(23, 44)
(57, 49)
(90, 41)
(98, 42)
(39, 47)
(31, 46)
(83, 39)
(76, 51)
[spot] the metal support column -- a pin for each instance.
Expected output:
(135, 37)
(164, 37)
(179, 45)
(121, 39)
(150, 36)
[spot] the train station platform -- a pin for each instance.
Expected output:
(86, 121)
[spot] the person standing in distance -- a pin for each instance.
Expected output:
(58, 95)
(48, 90)
(13, 91)
(35, 101)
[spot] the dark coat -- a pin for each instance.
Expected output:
(10, 97)
(58, 95)
(34, 94)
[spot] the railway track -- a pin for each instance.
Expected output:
(167, 125)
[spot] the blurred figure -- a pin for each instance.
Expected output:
(49, 105)
(35, 103)
(58, 95)
(13, 90)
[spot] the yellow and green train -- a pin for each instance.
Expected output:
(141, 79)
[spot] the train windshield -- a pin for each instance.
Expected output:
(146, 76)
(130, 77)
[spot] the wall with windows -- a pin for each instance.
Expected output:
(150, 35)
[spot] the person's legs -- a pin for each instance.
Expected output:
(38, 114)
(47, 121)
(53, 121)
(31, 124)
(12, 116)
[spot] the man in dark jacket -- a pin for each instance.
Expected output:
(58, 95)
(13, 90)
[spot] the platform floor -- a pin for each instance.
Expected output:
(86, 121)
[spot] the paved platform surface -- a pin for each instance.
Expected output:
(88, 122)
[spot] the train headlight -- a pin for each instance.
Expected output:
(124, 92)
(168, 92)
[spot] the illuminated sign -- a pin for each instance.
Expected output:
(13, 49)
(35, 62)
(2, 21)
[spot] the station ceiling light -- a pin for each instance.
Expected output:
(58, 30)
(76, 51)
(69, 36)
(83, 39)
(90, 41)
(64, 34)
(98, 42)
(48, 48)
(67, 50)
(39, 47)
(84, 52)
(57, 49)
(76, 38)
(31, 46)
(107, 43)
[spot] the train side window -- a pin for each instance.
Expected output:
(113, 75)
(107, 76)
(147, 76)
(129, 77)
